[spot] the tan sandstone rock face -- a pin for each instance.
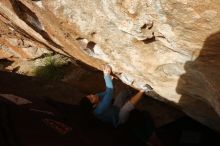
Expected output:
(13, 45)
(170, 44)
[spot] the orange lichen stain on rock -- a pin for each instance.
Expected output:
(68, 45)
(16, 50)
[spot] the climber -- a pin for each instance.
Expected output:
(100, 104)
(118, 112)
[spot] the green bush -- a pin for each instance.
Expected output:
(52, 68)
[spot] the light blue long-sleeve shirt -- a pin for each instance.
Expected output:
(104, 110)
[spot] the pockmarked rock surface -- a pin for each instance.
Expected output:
(173, 45)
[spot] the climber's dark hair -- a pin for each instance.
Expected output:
(86, 105)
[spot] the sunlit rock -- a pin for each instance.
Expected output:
(170, 45)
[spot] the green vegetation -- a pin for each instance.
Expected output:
(52, 68)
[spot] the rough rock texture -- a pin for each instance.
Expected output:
(14, 45)
(169, 44)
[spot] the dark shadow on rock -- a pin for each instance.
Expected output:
(149, 40)
(33, 87)
(5, 63)
(25, 124)
(199, 86)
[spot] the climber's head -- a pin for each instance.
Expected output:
(89, 102)
(94, 99)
